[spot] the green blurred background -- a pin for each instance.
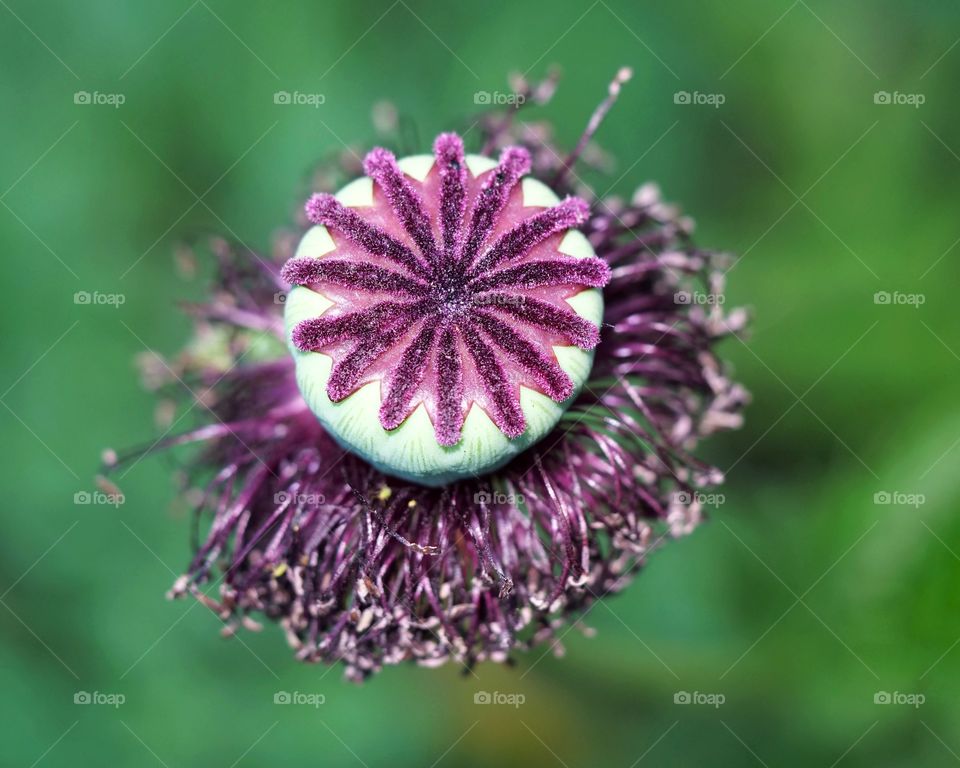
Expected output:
(798, 603)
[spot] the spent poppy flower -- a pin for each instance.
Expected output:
(460, 410)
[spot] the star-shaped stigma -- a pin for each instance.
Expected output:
(449, 292)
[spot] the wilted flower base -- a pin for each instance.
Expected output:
(361, 568)
(367, 570)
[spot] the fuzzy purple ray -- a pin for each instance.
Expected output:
(514, 163)
(448, 150)
(381, 166)
(327, 210)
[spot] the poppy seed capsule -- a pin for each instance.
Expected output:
(444, 311)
